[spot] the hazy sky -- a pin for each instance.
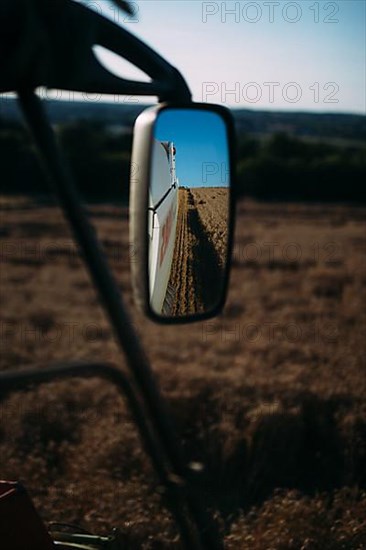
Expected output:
(304, 55)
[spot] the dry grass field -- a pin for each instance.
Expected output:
(200, 251)
(271, 395)
(185, 267)
(212, 204)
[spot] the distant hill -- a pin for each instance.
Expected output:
(280, 156)
(258, 123)
(319, 125)
(68, 111)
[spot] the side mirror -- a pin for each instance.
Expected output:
(181, 213)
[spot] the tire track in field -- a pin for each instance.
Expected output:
(196, 271)
(182, 278)
(178, 279)
(209, 274)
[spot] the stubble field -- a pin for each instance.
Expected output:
(270, 396)
(212, 206)
(200, 251)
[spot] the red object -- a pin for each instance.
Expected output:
(21, 528)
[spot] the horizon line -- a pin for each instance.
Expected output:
(111, 102)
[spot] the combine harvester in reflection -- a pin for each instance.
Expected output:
(162, 224)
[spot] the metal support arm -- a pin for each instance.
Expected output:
(50, 43)
(202, 532)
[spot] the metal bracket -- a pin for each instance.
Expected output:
(50, 44)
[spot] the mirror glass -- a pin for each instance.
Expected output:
(188, 212)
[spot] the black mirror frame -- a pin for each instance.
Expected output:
(139, 190)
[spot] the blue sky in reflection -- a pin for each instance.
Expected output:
(201, 144)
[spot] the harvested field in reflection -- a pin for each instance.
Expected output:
(200, 250)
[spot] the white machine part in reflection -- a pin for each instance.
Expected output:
(162, 221)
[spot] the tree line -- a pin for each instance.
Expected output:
(270, 167)
(281, 167)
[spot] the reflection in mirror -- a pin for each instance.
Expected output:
(188, 212)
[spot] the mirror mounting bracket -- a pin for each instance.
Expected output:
(51, 45)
